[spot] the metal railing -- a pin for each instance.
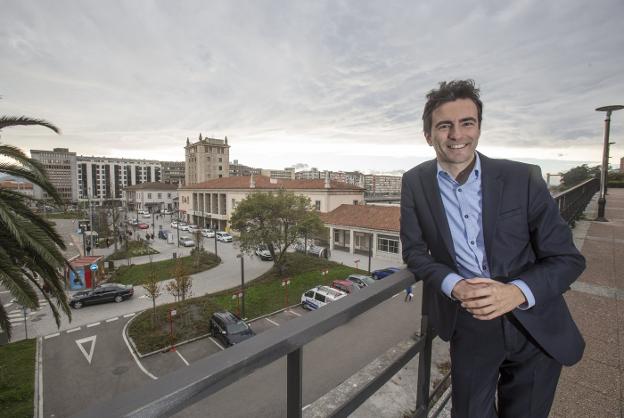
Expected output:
(573, 201)
(184, 387)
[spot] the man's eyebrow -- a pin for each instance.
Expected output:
(467, 119)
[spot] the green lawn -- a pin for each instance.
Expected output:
(135, 249)
(17, 379)
(136, 274)
(264, 295)
(65, 215)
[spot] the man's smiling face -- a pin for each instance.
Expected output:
(454, 134)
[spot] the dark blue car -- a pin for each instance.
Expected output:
(380, 274)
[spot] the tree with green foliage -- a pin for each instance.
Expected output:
(276, 220)
(578, 175)
(30, 247)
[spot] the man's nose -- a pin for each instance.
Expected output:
(454, 132)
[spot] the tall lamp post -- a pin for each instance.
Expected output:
(242, 259)
(602, 201)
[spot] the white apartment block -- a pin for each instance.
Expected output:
(211, 203)
(153, 197)
(206, 159)
(382, 185)
(103, 178)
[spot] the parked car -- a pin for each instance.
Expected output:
(107, 292)
(223, 236)
(163, 233)
(229, 328)
(263, 252)
(167, 212)
(208, 233)
(361, 280)
(320, 296)
(315, 250)
(133, 222)
(182, 226)
(187, 242)
(142, 225)
(193, 228)
(380, 274)
(346, 286)
(174, 224)
(147, 215)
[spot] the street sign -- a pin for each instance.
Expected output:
(93, 267)
(174, 312)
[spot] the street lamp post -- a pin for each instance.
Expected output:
(242, 259)
(602, 201)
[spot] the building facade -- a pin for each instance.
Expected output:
(172, 172)
(382, 185)
(153, 197)
(22, 187)
(60, 165)
(206, 159)
(237, 169)
(210, 204)
(103, 178)
(364, 230)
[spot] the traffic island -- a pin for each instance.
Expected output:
(17, 379)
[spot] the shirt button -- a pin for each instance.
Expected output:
(471, 242)
(459, 190)
(466, 216)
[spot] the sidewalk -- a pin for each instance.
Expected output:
(593, 387)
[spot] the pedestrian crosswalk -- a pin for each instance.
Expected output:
(17, 315)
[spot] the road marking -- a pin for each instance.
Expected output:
(396, 295)
(273, 322)
(183, 359)
(294, 313)
(80, 342)
(306, 407)
(3, 292)
(12, 320)
(143, 369)
(15, 310)
(112, 319)
(93, 324)
(215, 341)
(40, 378)
(129, 315)
(56, 334)
(6, 305)
(15, 314)
(69, 331)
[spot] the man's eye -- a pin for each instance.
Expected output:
(469, 123)
(444, 126)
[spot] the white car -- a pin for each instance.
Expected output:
(167, 212)
(147, 215)
(193, 228)
(208, 233)
(174, 224)
(183, 227)
(223, 236)
(320, 296)
(187, 242)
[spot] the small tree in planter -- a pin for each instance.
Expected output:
(180, 286)
(153, 289)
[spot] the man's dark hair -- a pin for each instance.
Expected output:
(449, 92)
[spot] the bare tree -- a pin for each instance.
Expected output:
(153, 288)
(180, 286)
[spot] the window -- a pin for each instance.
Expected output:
(317, 205)
(319, 297)
(220, 159)
(149, 195)
(168, 195)
(309, 294)
(220, 168)
(160, 195)
(388, 244)
(355, 202)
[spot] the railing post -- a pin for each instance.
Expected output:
(424, 367)
(294, 382)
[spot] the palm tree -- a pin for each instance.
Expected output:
(30, 247)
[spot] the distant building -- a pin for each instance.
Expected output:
(211, 203)
(206, 159)
(382, 185)
(18, 186)
(622, 165)
(103, 178)
(286, 174)
(60, 165)
(172, 172)
(354, 178)
(152, 197)
(237, 169)
(353, 228)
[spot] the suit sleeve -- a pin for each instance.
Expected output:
(415, 250)
(557, 261)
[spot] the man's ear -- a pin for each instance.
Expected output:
(428, 138)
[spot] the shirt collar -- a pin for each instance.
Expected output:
(476, 170)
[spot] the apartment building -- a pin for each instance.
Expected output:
(286, 174)
(22, 187)
(211, 203)
(237, 169)
(103, 178)
(60, 165)
(382, 184)
(206, 159)
(172, 172)
(153, 197)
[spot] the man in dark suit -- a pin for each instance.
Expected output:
(495, 257)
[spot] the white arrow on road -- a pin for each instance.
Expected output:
(80, 343)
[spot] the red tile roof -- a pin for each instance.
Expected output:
(155, 185)
(385, 218)
(266, 183)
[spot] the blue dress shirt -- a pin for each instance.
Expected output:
(462, 205)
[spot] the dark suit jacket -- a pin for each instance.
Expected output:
(525, 238)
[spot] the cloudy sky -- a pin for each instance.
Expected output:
(329, 84)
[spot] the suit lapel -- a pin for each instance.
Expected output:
(432, 194)
(491, 194)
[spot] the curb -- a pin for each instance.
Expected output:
(38, 392)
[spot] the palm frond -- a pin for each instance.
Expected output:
(6, 121)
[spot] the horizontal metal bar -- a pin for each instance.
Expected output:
(373, 386)
(180, 389)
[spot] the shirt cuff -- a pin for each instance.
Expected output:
(530, 299)
(449, 283)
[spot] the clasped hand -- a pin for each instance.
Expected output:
(486, 298)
